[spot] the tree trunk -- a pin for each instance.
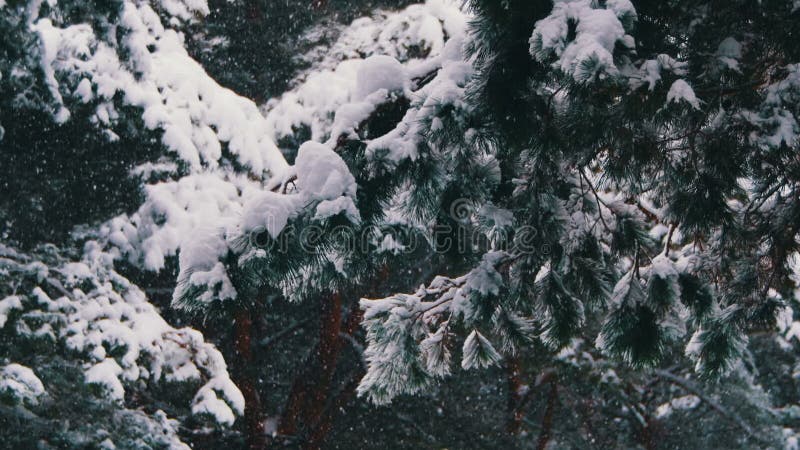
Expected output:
(308, 405)
(252, 409)
(515, 403)
(253, 11)
(547, 419)
(325, 423)
(648, 440)
(311, 387)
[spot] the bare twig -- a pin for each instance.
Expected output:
(600, 202)
(288, 330)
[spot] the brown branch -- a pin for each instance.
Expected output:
(648, 438)
(669, 238)
(720, 91)
(253, 12)
(284, 185)
(649, 214)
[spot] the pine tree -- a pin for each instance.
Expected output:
(616, 141)
(569, 196)
(88, 362)
(575, 129)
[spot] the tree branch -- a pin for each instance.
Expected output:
(269, 340)
(600, 203)
(694, 389)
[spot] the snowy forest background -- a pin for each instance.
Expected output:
(390, 224)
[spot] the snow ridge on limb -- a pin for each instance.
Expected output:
(216, 197)
(387, 36)
(149, 68)
(218, 147)
(319, 190)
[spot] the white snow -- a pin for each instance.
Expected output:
(681, 403)
(173, 211)
(485, 279)
(729, 52)
(200, 266)
(350, 115)
(663, 267)
(590, 54)
(269, 211)
(75, 272)
(379, 72)
(390, 245)
(21, 383)
(681, 91)
(650, 71)
(778, 125)
(322, 174)
(498, 217)
(446, 88)
(103, 314)
(84, 91)
(106, 373)
(50, 39)
(791, 329)
(622, 288)
(196, 114)
(435, 351)
(416, 32)
(313, 102)
(144, 64)
(365, 51)
(328, 208)
(7, 305)
(185, 9)
(194, 215)
(207, 401)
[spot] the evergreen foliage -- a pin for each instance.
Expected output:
(593, 202)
